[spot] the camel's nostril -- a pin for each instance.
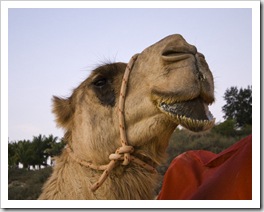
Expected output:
(172, 51)
(174, 56)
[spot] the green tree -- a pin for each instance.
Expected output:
(35, 152)
(238, 105)
(24, 153)
(54, 147)
(39, 145)
(13, 159)
(226, 128)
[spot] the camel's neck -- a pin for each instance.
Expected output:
(71, 180)
(122, 156)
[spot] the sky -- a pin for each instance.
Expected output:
(51, 51)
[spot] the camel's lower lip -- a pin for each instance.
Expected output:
(193, 114)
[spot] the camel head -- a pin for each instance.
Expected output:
(170, 84)
(181, 82)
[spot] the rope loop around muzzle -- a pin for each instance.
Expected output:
(124, 152)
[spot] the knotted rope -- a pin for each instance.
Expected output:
(122, 153)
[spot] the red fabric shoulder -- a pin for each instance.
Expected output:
(205, 175)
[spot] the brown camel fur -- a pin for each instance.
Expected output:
(170, 84)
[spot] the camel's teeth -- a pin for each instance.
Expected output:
(189, 123)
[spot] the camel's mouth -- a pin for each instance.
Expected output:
(193, 114)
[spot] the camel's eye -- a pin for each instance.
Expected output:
(100, 82)
(103, 90)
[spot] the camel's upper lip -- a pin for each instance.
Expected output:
(192, 114)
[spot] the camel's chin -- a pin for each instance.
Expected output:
(193, 114)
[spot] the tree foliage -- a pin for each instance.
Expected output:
(226, 128)
(238, 105)
(33, 153)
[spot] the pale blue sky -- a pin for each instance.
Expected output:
(52, 50)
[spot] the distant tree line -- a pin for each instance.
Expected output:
(33, 153)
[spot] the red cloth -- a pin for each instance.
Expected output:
(203, 175)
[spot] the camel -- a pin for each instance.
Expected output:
(119, 120)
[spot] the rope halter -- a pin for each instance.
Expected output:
(122, 153)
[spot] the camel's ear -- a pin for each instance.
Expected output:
(63, 111)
